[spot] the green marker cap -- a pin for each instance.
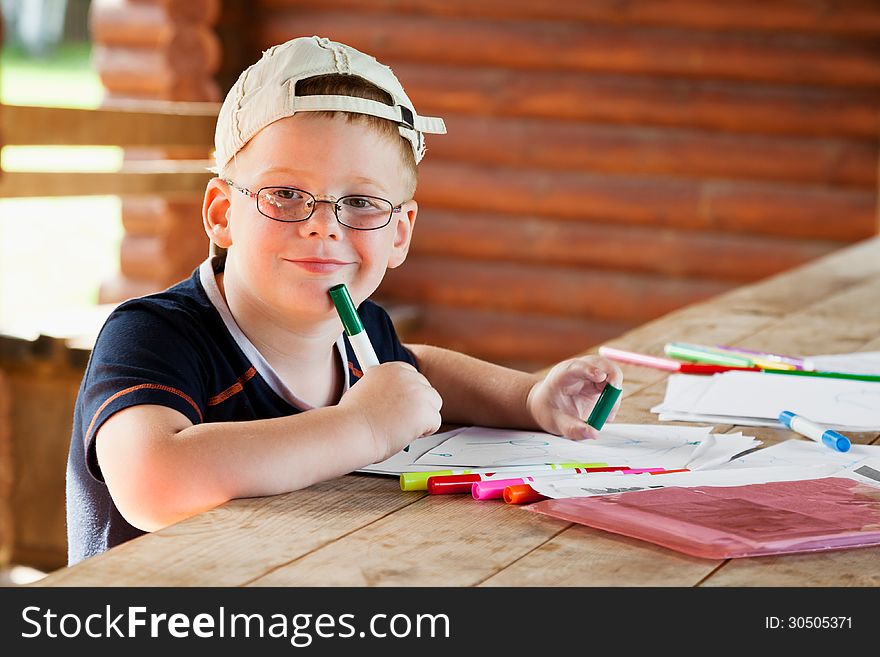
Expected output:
(345, 307)
(603, 406)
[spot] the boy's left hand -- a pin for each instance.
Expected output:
(562, 401)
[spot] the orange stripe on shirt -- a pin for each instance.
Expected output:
(150, 386)
(235, 388)
(355, 370)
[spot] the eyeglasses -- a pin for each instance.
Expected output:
(291, 205)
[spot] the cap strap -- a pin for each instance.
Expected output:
(398, 113)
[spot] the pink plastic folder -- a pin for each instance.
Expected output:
(715, 522)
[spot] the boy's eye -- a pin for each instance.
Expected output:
(285, 194)
(360, 202)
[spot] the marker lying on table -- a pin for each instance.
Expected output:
(419, 480)
(524, 493)
(494, 489)
(452, 484)
(805, 427)
(773, 360)
(668, 364)
(700, 354)
(354, 329)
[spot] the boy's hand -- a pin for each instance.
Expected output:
(562, 401)
(397, 403)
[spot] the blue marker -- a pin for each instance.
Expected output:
(803, 426)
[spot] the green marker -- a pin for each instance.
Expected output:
(354, 329)
(603, 406)
(698, 354)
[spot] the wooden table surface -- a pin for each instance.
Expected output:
(361, 530)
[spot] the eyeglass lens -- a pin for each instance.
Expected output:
(359, 212)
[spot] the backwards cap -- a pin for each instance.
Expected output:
(266, 92)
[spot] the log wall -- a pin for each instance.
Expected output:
(606, 162)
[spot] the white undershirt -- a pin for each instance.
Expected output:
(264, 369)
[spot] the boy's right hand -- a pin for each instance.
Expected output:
(397, 403)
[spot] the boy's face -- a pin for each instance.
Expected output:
(289, 267)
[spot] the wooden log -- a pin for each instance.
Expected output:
(164, 239)
(187, 124)
(523, 341)
(186, 75)
(741, 207)
(580, 47)
(854, 17)
(661, 251)
(151, 24)
(665, 151)
(544, 289)
(737, 107)
(75, 183)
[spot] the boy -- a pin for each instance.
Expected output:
(238, 382)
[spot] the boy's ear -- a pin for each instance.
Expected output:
(403, 231)
(216, 209)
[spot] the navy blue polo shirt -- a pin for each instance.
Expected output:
(182, 349)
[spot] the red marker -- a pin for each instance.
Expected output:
(698, 368)
(452, 484)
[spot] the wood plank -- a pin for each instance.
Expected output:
(172, 124)
(148, 24)
(583, 556)
(854, 17)
(736, 107)
(669, 252)
(577, 46)
(411, 539)
(565, 292)
(736, 207)
(548, 144)
(280, 529)
(132, 180)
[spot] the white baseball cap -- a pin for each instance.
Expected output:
(266, 92)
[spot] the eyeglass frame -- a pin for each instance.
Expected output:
(316, 200)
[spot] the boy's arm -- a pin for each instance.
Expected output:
(475, 391)
(481, 393)
(161, 468)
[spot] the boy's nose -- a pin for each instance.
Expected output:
(323, 221)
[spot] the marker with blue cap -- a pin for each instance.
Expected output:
(836, 441)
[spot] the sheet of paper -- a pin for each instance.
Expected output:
(832, 402)
(652, 445)
(403, 461)
(803, 453)
(607, 484)
(864, 362)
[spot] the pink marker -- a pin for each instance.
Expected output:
(493, 489)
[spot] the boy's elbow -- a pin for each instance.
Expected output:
(141, 471)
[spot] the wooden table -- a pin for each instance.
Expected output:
(361, 530)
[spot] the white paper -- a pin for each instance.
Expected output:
(404, 460)
(592, 485)
(798, 452)
(832, 402)
(634, 445)
(864, 362)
